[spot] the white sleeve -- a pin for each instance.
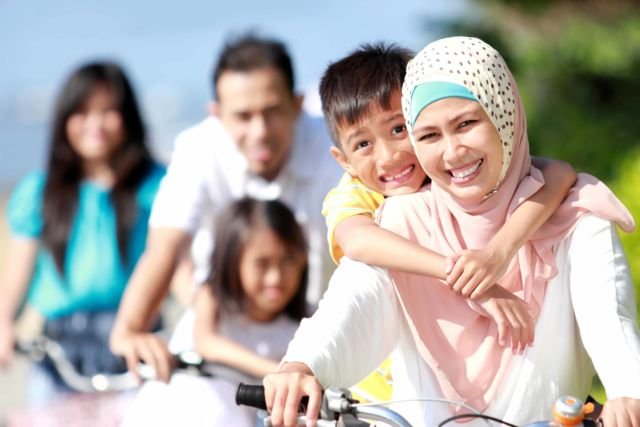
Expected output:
(181, 198)
(353, 330)
(604, 305)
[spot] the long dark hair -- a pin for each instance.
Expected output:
(233, 231)
(131, 162)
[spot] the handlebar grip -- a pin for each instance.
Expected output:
(251, 395)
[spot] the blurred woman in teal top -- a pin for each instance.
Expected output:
(78, 228)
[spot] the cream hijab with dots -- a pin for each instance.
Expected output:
(453, 337)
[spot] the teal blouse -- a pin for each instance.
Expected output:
(95, 276)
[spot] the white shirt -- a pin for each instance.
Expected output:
(588, 319)
(207, 172)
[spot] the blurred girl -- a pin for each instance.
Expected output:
(79, 227)
(246, 314)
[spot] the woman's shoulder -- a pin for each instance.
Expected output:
(24, 210)
(406, 204)
(28, 189)
(151, 183)
(400, 213)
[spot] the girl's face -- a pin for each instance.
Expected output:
(459, 148)
(96, 129)
(270, 273)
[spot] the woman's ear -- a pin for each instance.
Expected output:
(342, 160)
(213, 108)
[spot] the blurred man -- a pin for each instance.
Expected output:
(256, 142)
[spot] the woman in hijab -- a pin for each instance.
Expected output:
(468, 127)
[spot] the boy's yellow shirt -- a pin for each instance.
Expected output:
(350, 197)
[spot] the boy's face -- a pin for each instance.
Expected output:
(378, 152)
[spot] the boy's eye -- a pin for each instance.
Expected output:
(362, 145)
(397, 130)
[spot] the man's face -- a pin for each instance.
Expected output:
(259, 112)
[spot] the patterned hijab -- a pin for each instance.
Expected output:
(458, 343)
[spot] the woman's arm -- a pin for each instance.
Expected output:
(216, 348)
(476, 270)
(361, 239)
(603, 302)
(14, 284)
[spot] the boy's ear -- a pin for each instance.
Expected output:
(213, 108)
(342, 160)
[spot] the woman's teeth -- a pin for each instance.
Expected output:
(463, 173)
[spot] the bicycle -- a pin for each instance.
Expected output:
(338, 408)
(100, 399)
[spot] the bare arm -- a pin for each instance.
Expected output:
(475, 271)
(361, 239)
(216, 348)
(14, 284)
(146, 290)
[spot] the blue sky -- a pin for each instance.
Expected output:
(168, 50)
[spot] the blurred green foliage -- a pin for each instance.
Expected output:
(577, 64)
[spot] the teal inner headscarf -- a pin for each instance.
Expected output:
(430, 92)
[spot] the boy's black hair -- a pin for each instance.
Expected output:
(250, 52)
(365, 78)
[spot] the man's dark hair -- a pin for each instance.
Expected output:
(365, 78)
(250, 52)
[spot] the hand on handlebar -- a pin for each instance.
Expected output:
(284, 391)
(515, 324)
(621, 412)
(147, 348)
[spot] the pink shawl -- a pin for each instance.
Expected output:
(458, 343)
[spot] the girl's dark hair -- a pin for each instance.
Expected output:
(131, 162)
(233, 231)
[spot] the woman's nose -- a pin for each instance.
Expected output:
(453, 147)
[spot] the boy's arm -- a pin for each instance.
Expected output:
(475, 271)
(216, 348)
(361, 239)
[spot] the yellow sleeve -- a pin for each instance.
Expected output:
(350, 197)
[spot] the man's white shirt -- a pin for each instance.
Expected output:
(207, 172)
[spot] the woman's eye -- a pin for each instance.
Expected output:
(466, 123)
(426, 136)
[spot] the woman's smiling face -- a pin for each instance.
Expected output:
(459, 148)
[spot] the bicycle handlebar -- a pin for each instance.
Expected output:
(339, 409)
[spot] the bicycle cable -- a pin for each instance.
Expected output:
(487, 418)
(476, 413)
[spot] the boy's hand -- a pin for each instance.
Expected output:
(284, 390)
(515, 324)
(475, 271)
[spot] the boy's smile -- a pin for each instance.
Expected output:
(378, 152)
